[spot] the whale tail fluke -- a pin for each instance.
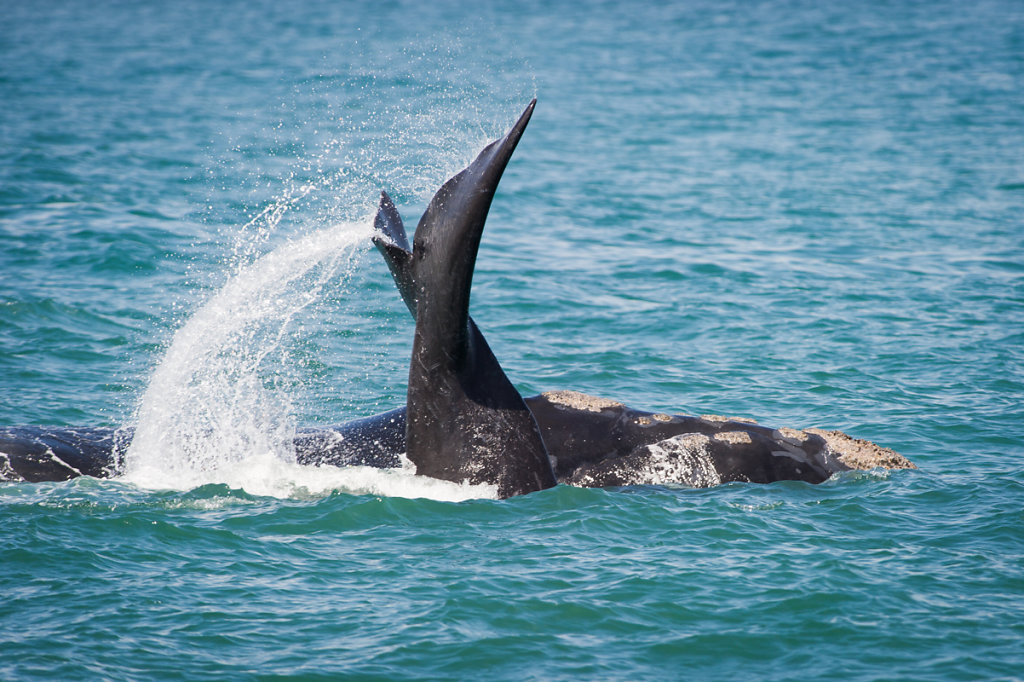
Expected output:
(390, 239)
(466, 421)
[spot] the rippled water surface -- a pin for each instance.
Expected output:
(808, 213)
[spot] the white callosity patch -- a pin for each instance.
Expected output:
(791, 436)
(857, 453)
(733, 437)
(580, 401)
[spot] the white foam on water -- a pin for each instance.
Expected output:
(295, 480)
(268, 475)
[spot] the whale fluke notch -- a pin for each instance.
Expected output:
(466, 421)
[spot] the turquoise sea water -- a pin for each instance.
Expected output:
(808, 213)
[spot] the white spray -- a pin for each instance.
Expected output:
(212, 405)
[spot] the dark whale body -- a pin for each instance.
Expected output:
(464, 419)
(591, 443)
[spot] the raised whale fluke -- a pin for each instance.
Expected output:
(390, 239)
(465, 419)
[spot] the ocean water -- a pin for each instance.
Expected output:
(808, 213)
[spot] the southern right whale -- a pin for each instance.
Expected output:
(596, 442)
(465, 421)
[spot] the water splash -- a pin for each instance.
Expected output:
(221, 400)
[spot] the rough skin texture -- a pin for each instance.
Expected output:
(857, 453)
